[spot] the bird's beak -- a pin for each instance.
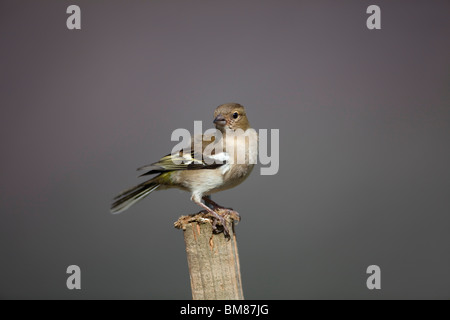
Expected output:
(220, 120)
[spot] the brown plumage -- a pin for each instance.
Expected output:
(205, 174)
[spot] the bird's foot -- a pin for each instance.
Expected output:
(219, 225)
(219, 216)
(229, 212)
(222, 210)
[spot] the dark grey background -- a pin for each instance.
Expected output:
(364, 125)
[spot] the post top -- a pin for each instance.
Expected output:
(203, 217)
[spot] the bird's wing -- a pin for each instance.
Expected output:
(187, 159)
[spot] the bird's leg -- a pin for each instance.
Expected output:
(216, 217)
(208, 201)
(211, 203)
(228, 211)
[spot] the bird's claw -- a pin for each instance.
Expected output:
(219, 216)
(222, 227)
(222, 215)
(233, 214)
(228, 212)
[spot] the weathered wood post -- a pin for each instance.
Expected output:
(212, 259)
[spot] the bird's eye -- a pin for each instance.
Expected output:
(235, 115)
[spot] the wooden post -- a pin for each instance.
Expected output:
(212, 259)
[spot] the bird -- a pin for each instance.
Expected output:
(230, 161)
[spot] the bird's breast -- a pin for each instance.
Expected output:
(235, 174)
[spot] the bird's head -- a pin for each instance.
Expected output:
(230, 116)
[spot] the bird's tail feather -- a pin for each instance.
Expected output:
(130, 196)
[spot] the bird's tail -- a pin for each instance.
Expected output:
(129, 197)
